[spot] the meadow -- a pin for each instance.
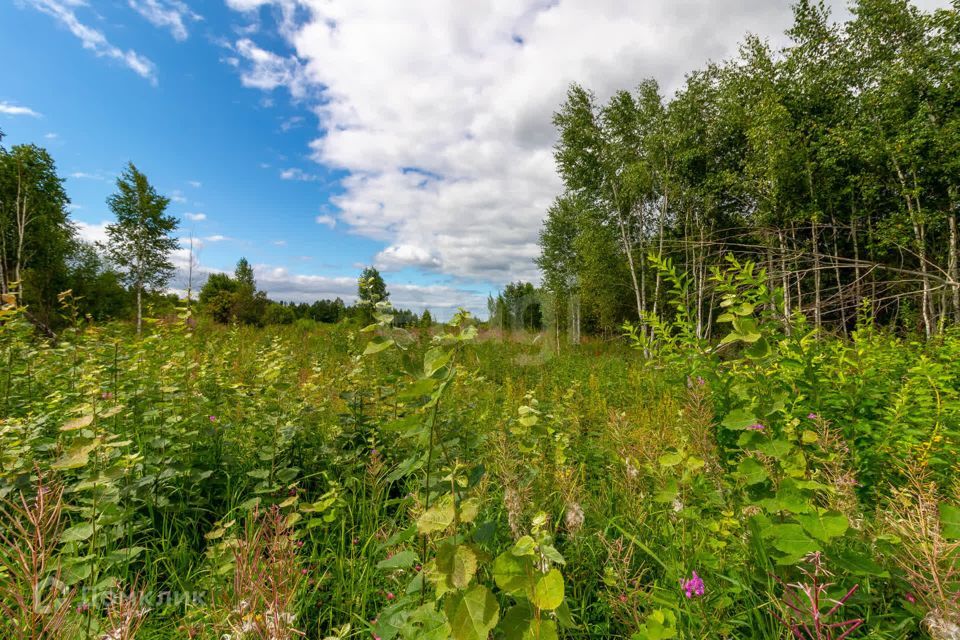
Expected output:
(334, 481)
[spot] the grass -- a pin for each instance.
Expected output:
(187, 458)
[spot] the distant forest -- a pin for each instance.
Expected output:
(832, 163)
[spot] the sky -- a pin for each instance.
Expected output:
(314, 137)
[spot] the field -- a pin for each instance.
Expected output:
(215, 482)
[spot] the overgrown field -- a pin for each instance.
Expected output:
(205, 482)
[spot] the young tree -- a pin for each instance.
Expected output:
(139, 242)
(371, 289)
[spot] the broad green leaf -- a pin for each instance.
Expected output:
(438, 517)
(548, 592)
(377, 345)
(739, 419)
(791, 539)
(401, 560)
(473, 613)
(752, 471)
(525, 546)
(77, 423)
(457, 563)
(512, 574)
(77, 532)
(824, 526)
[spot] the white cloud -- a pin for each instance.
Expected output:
(327, 220)
(441, 112)
(195, 217)
(216, 238)
(267, 70)
(92, 232)
(94, 40)
(83, 175)
(177, 196)
(10, 109)
(166, 14)
(297, 174)
(50, 136)
(406, 255)
(196, 184)
(279, 243)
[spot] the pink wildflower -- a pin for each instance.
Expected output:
(694, 586)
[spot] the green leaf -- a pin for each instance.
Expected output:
(435, 359)
(791, 539)
(824, 526)
(950, 521)
(377, 345)
(458, 564)
(525, 546)
(426, 623)
(739, 419)
(548, 592)
(670, 459)
(473, 613)
(752, 471)
(401, 560)
(438, 517)
(512, 574)
(77, 532)
(76, 457)
(777, 448)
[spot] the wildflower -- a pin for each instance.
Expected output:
(356, 541)
(700, 381)
(623, 597)
(910, 598)
(418, 568)
(212, 418)
(694, 586)
(106, 395)
(812, 416)
(757, 427)
(303, 572)
(390, 595)
(374, 453)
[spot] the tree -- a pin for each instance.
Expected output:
(426, 320)
(139, 242)
(36, 235)
(371, 289)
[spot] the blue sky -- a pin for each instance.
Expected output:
(317, 136)
(218, 149)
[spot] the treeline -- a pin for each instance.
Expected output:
(236, 299)
(833, 163)
(57, 278)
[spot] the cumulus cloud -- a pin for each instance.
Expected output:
(216, 238)
(10, 109)
(195, 217)
(441, 112)
(177, 196)
(94, 40)
(166, 14)
(196, 184)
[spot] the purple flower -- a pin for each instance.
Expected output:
(374, 453)
(212, 418)
(694, 586)
(700, 381)
(812, 416)
(756, 427)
